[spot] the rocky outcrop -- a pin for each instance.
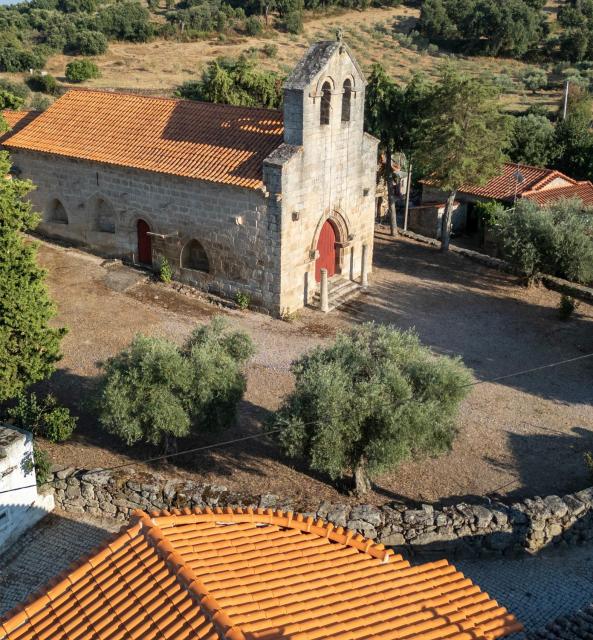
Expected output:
(487, 529)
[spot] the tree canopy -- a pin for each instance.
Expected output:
(29, 346)
(156, 392)
(463, 136)
(369, 401)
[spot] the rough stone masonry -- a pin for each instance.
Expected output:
(460, 530)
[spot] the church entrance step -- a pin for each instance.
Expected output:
(340, 291)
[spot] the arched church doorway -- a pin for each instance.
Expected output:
(144, 243)
(326, 246)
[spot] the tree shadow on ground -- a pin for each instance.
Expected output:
(460, 308)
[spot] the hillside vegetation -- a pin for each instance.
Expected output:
(154, 49)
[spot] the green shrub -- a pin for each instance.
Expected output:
(156, 392)
(89, 43)
(125, 21)
(43, 417)
(42, 463)
(81, 70)
(18, 89)
(557, 240)
(165, 271)
(566, 307)
(369, 401)
(45, 83)
(253, 26)
(270, 50)
(293, 22)
(243, 300)
(534, 79)
(39, 102)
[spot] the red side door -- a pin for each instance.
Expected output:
(144, 243)
(326, 245)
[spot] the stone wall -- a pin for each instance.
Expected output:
(21, 506)
(466, 530)
(231, 223)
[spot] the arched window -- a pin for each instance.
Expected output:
(346, 98)
(57, 213)
(326, 98)
(194, 257)
(104, 216)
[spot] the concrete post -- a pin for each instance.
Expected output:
(323, 292)
(364, 272)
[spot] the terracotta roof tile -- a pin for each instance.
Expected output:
(212, 142)
(255, 575)
(16, 120)
(581, 190)
(502, 187)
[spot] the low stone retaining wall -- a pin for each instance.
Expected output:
(466, 530)
(573, 289)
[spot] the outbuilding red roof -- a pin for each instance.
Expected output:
(581, 191)
(507, 184)
(212, 142)
(249, 574)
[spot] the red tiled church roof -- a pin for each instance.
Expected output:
(212, 142)
(255, 575)
(16, 120)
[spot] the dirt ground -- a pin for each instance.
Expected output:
(522, 435)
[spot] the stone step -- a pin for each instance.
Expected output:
(340, 291)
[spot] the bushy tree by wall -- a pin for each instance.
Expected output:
(156, 392)
(369, 401)
(81, 70)
(29, 347)
(557, 239)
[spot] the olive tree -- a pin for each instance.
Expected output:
(155, 391)
(372, 399)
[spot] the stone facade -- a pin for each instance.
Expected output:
(261, 242)
(461, 530)
(21, 506)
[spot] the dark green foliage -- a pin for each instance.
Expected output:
(576, 39)
(371, 400)
(89, 43)
(532, 140)
(201, 18)
(574, 141)
(491, 27)
(557, 239)
(43, 417)
(9, 100)
(42, 463)
(125, 21)
(534, 79)
(253, 26)
(81, 70)
(566, 307)
(155, 391)
(243, 300)
(14, 58)
(77, 6)
(29, 347)
(44, 83)
(18, 89)
(235, 81)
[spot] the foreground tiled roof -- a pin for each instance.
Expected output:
(213, 142)
(255, 575)
(581, 190)
(16, 120)
(502, 187)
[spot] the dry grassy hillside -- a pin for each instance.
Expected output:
(372, 34)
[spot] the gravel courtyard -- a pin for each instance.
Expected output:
(521, 436)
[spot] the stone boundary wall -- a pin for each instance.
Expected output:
(551, 282)
(461, 530)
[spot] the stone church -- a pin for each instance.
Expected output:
(237, 199)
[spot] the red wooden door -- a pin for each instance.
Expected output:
(144, 243)
(326, 245)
